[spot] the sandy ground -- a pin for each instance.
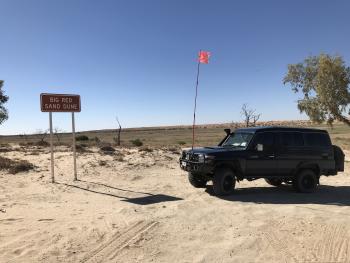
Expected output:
(143, 209)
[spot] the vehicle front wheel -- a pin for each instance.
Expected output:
(274, 181)
(196, 182)
(306, 181)
(224, 181)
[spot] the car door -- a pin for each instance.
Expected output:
(261, 163)
(290, 151)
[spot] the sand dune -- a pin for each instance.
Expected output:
(137, 206)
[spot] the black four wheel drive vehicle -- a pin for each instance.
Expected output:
(295, 156)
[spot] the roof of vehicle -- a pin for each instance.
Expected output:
(278, 128)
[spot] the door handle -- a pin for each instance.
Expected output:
(271, 156)
(254, 157)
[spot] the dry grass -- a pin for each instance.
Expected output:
(181, 136)
(5, 149)
(146, 149)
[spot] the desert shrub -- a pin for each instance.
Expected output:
(181, 142)
(102, 163)
(62, 144)
(26, 144)
(96, 139)
(15, 166)
(119, 158)
(174, 150)
(82, 138)
(146, 149)
(136, 142)
(21, 166)
(41, 143)
(81, 148)
(107, 148)
(34, 153)
(5, 163)
(4, 148)
(103, 144)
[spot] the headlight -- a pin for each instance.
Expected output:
(201, 158)
(209, 157)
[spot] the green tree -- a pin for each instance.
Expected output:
(324, 82)
(3, 99)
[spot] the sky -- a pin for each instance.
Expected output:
(138, 59)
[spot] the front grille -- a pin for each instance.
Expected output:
(192, 157)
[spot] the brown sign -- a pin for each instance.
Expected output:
(59, 102)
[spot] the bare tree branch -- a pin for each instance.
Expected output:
(249, 115)
(41, 134)
(57, 132)
(256, 117)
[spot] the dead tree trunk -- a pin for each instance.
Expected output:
(118, 132)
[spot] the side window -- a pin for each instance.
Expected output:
(286, 138)
(317, 139)
(298, 139)
(310, 139)
(266, 139)
(291, 139)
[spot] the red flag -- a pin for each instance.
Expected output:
(203, 57)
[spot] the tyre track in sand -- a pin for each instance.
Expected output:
(279, 246)
(276, 239)
(108, 251)
(334, 245)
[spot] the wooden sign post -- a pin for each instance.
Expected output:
(61, 103)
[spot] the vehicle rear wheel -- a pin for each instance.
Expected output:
(274, 181)
(224, 181)
(196, 182)
(306, 181)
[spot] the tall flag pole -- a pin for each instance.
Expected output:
(203, 57)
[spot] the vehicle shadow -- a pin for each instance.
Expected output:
(152, 199)
(113, 187)
(324, 195)
(143, 200)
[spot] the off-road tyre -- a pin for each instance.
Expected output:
(306, 181)
(196, 182)
(274, 181)
(224, 181)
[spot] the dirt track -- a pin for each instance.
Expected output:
(144, 210)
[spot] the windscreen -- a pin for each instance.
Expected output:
(238, 139)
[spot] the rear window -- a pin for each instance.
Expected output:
(317, 139)
(291, 139)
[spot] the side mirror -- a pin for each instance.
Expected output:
(228, 131)
(259, 147)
